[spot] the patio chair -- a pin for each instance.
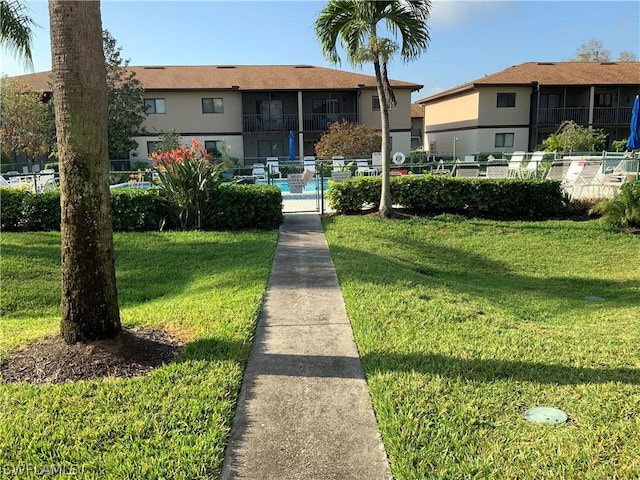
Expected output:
(338, 163)
(272, 167)
(440, 170)
(363, 168)
(309, 163)
(46, 180)
(515, 164)
(376, 161)
(531, 170)
(558, 171)
(259, 171)
(588, 179)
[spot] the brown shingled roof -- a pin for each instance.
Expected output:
(417, 111)
(555, 74)
(244, 77)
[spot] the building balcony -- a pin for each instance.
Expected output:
(611, 115)
(555, 116)
(319, 122)
(601, 115)
(285, 122)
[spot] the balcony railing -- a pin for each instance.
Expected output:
(580, 115)
(270, 123)
(319, 122)
(313, 122)
(611, 115)
(555, 116)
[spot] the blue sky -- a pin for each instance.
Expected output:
(468, 39)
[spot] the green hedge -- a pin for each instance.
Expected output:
(492, 198)
(246, 206)
(235, 207)
(11, 199)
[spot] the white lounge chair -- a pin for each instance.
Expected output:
(515, 163)
(309, 163)
(558, 171)
(259, 171)
(363, 169)
(273, 168)
(338, 163)
(531, 170)
(376, 161)
(588, 179)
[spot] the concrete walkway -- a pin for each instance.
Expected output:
(304, 410)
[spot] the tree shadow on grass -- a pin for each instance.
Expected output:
(487, 370)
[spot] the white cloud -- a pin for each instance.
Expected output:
(452, 13)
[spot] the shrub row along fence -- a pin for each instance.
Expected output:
(494, 198)
(233, 207)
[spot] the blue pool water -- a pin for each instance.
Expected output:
(284, 186)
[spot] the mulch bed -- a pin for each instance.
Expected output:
(134, 352)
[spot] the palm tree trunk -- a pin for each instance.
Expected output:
(386, 204)
(89, 304)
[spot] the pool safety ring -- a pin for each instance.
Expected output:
(398, 158)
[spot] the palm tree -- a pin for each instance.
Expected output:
(354, 24)
(89, 304)
(15, 30)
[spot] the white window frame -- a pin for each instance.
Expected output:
(215, 105)
(155, 106)
(504, 142)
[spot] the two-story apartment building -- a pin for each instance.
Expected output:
(517, 108)
(254, 108)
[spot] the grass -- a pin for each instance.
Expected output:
(172, 423)
(462, 325)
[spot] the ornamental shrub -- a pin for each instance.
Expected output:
(491, 198)
(622, 211)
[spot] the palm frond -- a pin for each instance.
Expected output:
(16, 30)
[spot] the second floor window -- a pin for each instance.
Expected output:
(154, 105)
(603, 100)
(375, 104)
(506, 100)
(212, 105)
(504, 140)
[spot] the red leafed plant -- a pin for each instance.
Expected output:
(189, 178)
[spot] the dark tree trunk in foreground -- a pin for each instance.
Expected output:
(89, 304)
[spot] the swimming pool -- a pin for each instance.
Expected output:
(283, 185)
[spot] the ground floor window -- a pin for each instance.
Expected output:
(504, 140)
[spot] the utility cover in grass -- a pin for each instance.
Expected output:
(594, 298)
(546, 415)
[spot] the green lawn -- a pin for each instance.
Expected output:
(172, 423)
(462, 325)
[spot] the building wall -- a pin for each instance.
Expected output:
(399, 118)
(234, 142)
(474, 119)
(184, 113)
(490, 114)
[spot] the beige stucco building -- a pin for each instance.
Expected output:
(254, 108)
(517, 108)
